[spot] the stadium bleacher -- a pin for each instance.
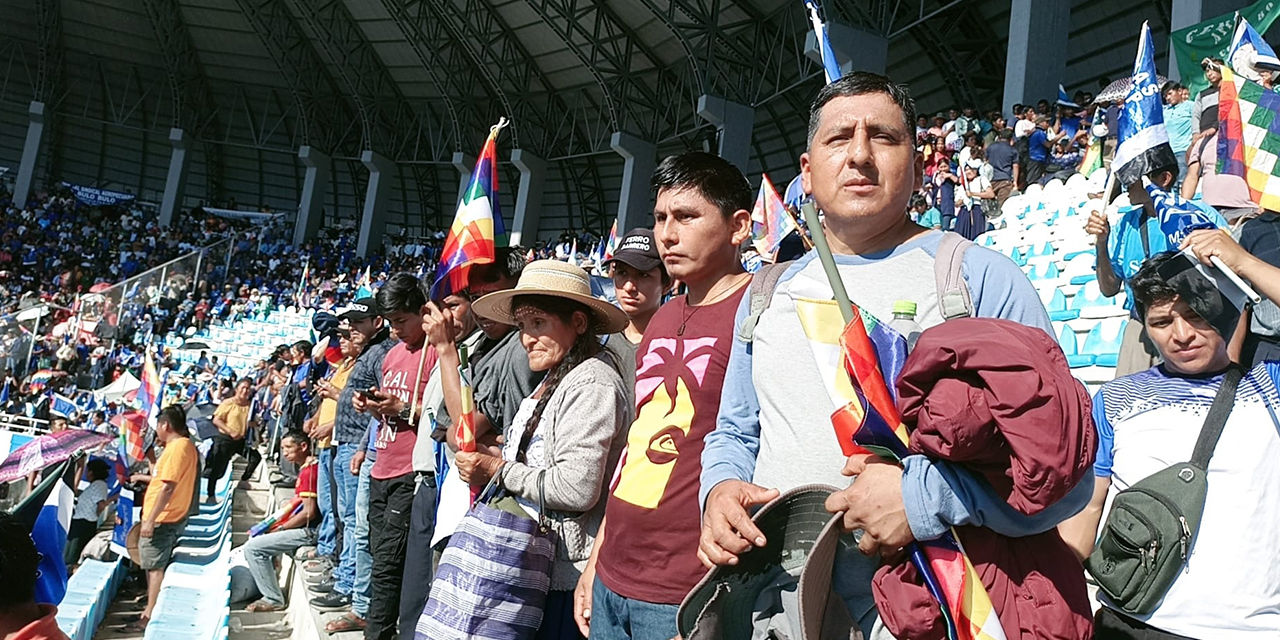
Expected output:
(1042, 231)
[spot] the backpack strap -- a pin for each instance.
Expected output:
(763, 282)
(954, 300)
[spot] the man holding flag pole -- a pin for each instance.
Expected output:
(861, 169)
(1143, 154)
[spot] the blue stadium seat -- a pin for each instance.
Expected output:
(1057, 308)
(1103, 341)
(1075, 359)
(1044, 271)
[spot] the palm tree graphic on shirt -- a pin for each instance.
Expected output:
(668, 372)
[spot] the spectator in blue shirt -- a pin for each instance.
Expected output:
(923, 214)
(1120, 254)
(1179, 120)
(1038, 145)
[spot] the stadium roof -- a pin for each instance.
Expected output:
(420, 80)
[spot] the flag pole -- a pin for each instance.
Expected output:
(828, 261)
(804, 238)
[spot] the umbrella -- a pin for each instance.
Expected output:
(194, 345)
(100, 287)
(48, 449)
(1116, 91)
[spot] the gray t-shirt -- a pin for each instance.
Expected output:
(503, 379)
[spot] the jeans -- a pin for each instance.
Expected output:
(390, 510)
(346, 485)
(327, 538)
(614, 617)
(418, 557)
(260, 554)
(364, 556)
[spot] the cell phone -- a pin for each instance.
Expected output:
(371, 392)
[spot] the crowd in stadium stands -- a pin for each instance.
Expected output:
(644, 434)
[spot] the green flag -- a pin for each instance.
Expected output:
(1212, 39)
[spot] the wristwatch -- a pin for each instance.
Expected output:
(406, 414)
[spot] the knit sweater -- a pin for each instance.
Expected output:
(583, 428)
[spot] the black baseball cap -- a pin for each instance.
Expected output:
(638, 250)
(361, 309)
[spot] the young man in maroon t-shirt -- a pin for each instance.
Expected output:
(398, 405)
(645, 556)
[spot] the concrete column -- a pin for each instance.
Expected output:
(465, 163)
(734, 123)
(635, 204)
(175, 185)
(855, 49)
(1035, 26)
(382, 173)
(315, 185)
(30, 154)
(533, 175)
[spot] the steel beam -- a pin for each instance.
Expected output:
(331, 122)
(194, 107)
(389, 123)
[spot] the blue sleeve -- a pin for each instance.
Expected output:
(729, 452)
(939, 495)
(1001, 290)
(1106, 438)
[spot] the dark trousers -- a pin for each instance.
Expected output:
(1035, 171)
(419, 557)
(390, 509)
(221, 451)
(79, 535)
(1109, 625)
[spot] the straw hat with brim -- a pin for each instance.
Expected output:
(803, 539)
(551, 278)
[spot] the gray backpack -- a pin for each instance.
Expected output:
(954, 300)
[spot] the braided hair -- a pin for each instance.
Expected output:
(585, 347)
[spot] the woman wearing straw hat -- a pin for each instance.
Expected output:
(573, 424)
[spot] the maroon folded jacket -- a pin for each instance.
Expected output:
(998, 398)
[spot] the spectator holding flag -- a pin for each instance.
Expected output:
(861, 169)
(1143, 152)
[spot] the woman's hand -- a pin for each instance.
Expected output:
(477, 468)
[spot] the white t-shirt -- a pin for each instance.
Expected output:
(1023, 128)
(87, 503)
(978, 184)
(1230, 589)
(534, 454)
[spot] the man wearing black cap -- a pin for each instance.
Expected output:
(1151, 419)
(639, 280)
(350, 432)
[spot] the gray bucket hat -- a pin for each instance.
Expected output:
(732, 601)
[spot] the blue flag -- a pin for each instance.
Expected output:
(1178, 217)
(1065, 101)
(63, 406)
(830, 67)
(48, 510)
(1249, 52)
(1144, 141)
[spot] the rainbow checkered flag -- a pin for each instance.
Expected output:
(1249, 136)
(872, 422)
(465, 429)
(770, 222)
(477, 228)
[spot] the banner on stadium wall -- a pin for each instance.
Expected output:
(232, 214)
(1212, 39)
(95, 197)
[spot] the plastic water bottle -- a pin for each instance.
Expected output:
(904, 322)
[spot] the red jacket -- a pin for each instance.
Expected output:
(999, 397)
